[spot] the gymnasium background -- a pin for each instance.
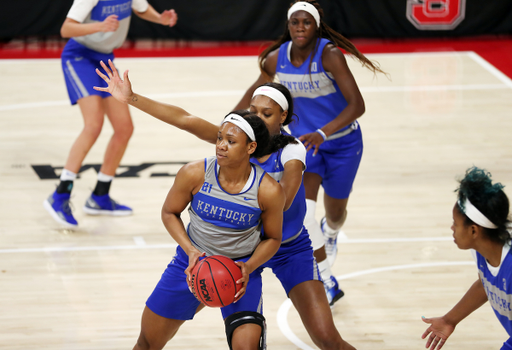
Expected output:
(30, 28)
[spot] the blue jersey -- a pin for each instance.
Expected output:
(498, 288)
(293, 218)
(317, 99)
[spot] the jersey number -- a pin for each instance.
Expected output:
(206, 187)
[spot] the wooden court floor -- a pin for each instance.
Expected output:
(85, 289)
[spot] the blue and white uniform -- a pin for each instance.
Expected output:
(294, 262)
(497, 282)
(317, 100)
(220, 223)
(81, 55)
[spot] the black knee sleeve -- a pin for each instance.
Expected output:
(240, 318)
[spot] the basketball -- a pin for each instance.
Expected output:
(214, 280)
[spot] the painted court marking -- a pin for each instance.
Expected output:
(282, 313)
(139, 243)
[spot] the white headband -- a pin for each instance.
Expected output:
(305, 6)
(475, 215)
(241, 123)
(274, 94)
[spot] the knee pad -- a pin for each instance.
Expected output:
(313, 227)
(240, 318)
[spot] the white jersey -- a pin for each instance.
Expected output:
(90, 11)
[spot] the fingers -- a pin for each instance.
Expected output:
(114, 69)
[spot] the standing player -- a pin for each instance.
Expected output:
(95, 28)
(307, 60)
(293, 264)
(480, 223)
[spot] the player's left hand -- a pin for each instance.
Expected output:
(312, 140)
(169, 18)
(243, 281)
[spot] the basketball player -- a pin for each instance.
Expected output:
(480, 223)
(294, 263)
(95, 28)
(233, 203)
(307, 60)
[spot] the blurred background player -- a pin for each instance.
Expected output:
(95, 29)
(307, 60)
(480, 223)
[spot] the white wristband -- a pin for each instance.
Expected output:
(324, 136)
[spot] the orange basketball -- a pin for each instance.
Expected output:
(214, 280)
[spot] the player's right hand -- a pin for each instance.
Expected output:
(439, 331)
(110, 24)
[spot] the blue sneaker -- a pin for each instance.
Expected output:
(104, 205)
(58, 207)
(331, 243)
(333, 291)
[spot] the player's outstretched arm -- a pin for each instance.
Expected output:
(441, 328)
(121, 90)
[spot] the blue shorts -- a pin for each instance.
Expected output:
(294, 262)
(79, 64)
(172, 299)
(338, 164)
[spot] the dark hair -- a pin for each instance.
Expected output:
(488, 198)
(324, 31)
(284, 90)
(266, 144)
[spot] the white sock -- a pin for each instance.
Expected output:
(67, 175)
(325, 270)
(313, 227)
(329, 230)
(104, 177)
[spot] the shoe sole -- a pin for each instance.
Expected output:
(337, 297)
(96, 212)
(55, 216)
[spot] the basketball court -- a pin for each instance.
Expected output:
(437, 115)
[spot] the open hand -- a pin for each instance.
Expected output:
(312, 140)
(119, 89)
(439, 331)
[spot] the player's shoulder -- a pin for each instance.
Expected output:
(193, 170)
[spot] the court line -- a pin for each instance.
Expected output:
(367, 89)
(140, 244)
(490, 68)
(282, 313)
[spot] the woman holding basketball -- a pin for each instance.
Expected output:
(235, 210)
(293, 264)
(307, 60)
(480, 223)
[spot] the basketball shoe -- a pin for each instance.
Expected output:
(58, 207)
(104, 205)
(333, 291)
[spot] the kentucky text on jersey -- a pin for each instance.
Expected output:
(105, 8)
(223, 213)
(314, 85)
(229, 214)
(499, 299)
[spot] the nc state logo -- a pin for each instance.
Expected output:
(436, 14)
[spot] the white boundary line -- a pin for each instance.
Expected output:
(139, 243)
(491, 69)
(368, 89)
(282, 313)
